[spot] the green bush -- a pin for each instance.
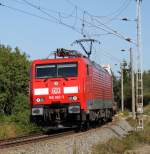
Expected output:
(14, 76)
(14, 103)
(21, 109)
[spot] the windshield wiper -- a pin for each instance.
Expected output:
(46, 78)
(65, 77)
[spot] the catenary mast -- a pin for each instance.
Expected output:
(139, 76)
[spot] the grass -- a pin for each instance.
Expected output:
(7, 130)
(124, 113)
(16, 125)
(117, 146)
(147, 110)
(18, 122)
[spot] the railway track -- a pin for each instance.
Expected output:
(12, 142)
(82, 142)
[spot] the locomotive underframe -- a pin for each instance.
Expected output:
(60, 114)
(57, 114)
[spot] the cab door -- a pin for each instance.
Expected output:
(89, 87)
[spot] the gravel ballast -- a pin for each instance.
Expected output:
(77, 143)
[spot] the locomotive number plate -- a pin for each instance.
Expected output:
(56, 97)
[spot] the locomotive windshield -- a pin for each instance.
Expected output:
(56, 70)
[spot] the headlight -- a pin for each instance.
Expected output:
(74, 98)
(39, 100)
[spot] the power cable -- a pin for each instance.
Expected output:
(49, 15)
(47, 19)
(34, 6)
(105, 16)
(60, 21)
(40, 17)
(111, 29)
(63, 14)
(120, 12)
(69, 15)
(83, 24)
(108, 55)
(109, 15)
(17, 1)
(114, 32)
(123, 3)
(73, 27)
(25, 12)
(102, 34)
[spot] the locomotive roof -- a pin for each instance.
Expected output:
(70, 59)
(98, 66)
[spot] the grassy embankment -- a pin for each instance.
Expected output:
(16, 125)
(135, 139)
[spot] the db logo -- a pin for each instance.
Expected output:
(55, 90)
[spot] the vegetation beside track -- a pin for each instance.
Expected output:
(147, 110)
(14, 101)
(127, 88)
(130, 142)
(16, 125)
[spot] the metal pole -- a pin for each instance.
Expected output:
(122, 93)
(132, 83)
(139, 77)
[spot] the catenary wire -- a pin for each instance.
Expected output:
(34, 6)
(40, 17)
(72, 27)
(105, 16)
(63, 14)
(49, 15)
(114, 32)
(29, 13)
(120, 12)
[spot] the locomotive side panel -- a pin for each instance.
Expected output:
(88, 86)
(96, 90)
(108, 98)
(100, 88)
(99, 95)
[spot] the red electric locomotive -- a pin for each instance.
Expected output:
(69, 90)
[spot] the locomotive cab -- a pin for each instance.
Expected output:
(57, 91)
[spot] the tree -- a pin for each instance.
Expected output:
(146, 81)
(14, 69)
(116, 89)
(127, 88)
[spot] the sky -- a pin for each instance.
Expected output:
(39, 36)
